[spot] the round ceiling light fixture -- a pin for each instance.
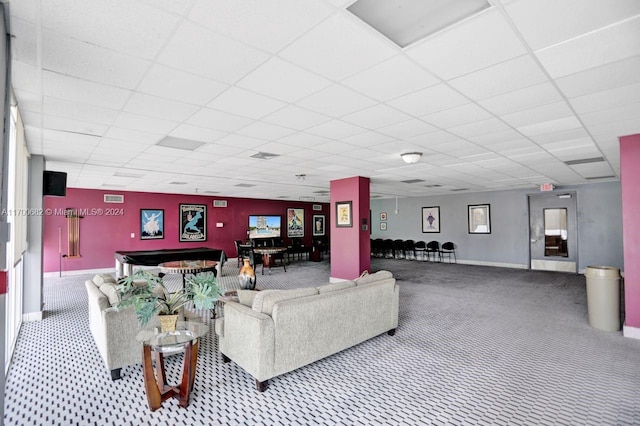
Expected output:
(411, 157)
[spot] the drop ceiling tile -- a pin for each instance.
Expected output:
(339, 47)
(428, 101)
(294, 117)
(457, 116)
(265, 131)
(24, 49)
(73, 139)
(479, 128)
(407, 129)
(82, 112)
(593, 169)
(126, 149)
(266, 25)
(212, 55)
(592, 50)
(86, 92)
(336, 101)
(390, 79)
(181, 86)
(140, 32)
(75, 58)
(218, 120)
(492, 138)
(303, 139)
(245, 103)
(22, 78)
(159, 108)
(606, 99)
(538, 114)
(522, 99)
(71, 125)
(608, 76)
(546, 22)
(144, 124)
(376, 116)
(478, 42)
(551, 126)
(230, 146)
(367, 139)
(335, 129)
(201, 134)
(179, 7)
(130, 135)
(569, 134)
(501, 78)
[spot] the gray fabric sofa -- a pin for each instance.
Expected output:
(272, 332)
(114, 331)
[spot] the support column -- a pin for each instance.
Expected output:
(350, 245)
(630, 176)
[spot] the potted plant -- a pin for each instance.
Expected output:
(149, 297)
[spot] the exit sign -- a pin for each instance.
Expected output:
(547, 187)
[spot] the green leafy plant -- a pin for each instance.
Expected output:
(149, 296)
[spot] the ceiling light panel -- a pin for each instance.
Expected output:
(185, 144)
(406, 21)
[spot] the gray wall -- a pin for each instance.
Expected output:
(599, 224)
(33, 292)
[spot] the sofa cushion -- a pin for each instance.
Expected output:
(371, 278)
(100, 279)
(246, 297)
(111, 291)
(265, 300)
(336, 286)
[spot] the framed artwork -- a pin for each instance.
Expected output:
(383, 216)
(318, 225)
(479, 219)
(151, 224)
(431, 219)
(193, 222)
(383, 226)
(344, 217)
(295, 223)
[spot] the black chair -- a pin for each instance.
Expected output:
(276, 259)
(238, 243)
(398, 249)
(387, 246)
(433, 248)
(420, 250)
(448, 249)
(245, 251)
(377, 247)
(410, 250)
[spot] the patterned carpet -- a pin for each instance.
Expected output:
(475, 346)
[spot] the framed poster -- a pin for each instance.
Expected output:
(295, 223)
(151, 224)
(431, 219)
(383, 216)
(344, 217)
(193, 222)
(318, 225)
(383, 226)
(479, 219)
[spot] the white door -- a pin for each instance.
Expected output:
(553, 232)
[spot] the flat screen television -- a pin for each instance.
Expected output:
(264, 226)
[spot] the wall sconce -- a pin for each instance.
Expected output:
(411, 157)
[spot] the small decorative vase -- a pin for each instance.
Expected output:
(168, 322)
(247, 276)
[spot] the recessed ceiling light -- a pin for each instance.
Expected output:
(459, 189)
(264, 155)
(411, 157)
(584, 161)
(130, 175)
(601, 177)
(244, 185)
(186, 144)
(407, 21)
(177, 183)
(435, 185)
(412, 180)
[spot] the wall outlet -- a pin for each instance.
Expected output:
(133, 235)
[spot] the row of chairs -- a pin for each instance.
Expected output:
(413, 250)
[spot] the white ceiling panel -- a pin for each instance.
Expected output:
(295, 118)
(502, 78)
(284, 81)
(479, 128)
(179, 7)
(245, 103)
(483, 40)
(609, 76)
(390, 79)
(336, 101)
(187, 131)
(86, 92)
(339, 47)
(550, 126)
(218, 120)
(335, 129)
(613, 98)
(130, 135)
(367, 139)
(303, 139)
(457, 116)
(24, 46)
(594, 49)
(144, 124)
(195, 49)
(265, 131)
(407, 129)
(522, 99)
(159, 108)
(376, 116)
(538, 114)
(430, 100)
(82, 112)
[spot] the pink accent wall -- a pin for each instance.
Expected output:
(630, 178)
(101, 235)
(350, 247)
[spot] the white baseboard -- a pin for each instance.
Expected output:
(631, 332)
(32, 316)
(336, 280)
(496, 264)
(79, 272)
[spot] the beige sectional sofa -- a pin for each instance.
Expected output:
(272, 332)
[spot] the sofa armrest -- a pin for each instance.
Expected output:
(120, 330)
(248, 338)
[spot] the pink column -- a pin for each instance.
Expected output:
(630, 178)
(350, 246)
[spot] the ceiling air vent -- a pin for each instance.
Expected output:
(317, 207)
(265, 155)
(219, 203)
(113, 199)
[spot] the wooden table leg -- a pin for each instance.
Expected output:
(185, 386)
(154, 398)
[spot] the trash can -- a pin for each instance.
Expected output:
(603, 297)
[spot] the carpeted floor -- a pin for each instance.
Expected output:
(475, 346)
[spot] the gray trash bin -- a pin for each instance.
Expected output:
(603, 297)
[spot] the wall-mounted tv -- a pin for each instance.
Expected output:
(264, 226)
